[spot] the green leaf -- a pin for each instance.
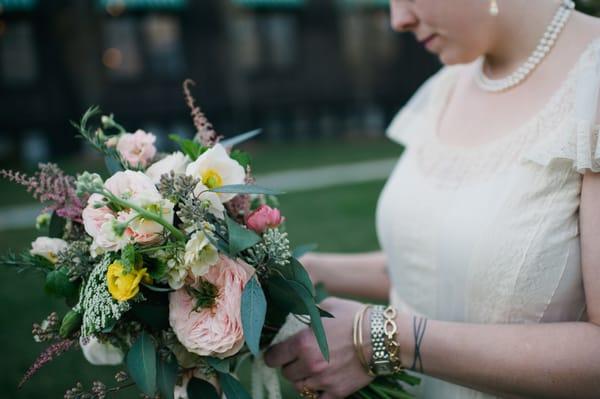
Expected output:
(57, 226)
(245, 189)
(325, 313)
(113, 165)
(59, 285)
(232, 388)
(157, 269)
(284, 297)
(221, 365)
(254, 310)
(240, 238)
(233, 141)
(321, 293)
(243, 158)
(200, 389)
(189, 147)
(167, 377)
(141, 363)
(296, 272)
(303, 250)
(315, 318)
(71, 322)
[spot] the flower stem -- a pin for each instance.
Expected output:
(145, 214)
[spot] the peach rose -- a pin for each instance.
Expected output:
(263, 218)
(215, 331)
(137, 149)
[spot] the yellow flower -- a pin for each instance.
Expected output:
(124, 286)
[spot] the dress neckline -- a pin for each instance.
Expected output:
(448, 89)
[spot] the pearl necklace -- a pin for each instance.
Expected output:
(543, 48)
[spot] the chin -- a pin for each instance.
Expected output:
(450, 56)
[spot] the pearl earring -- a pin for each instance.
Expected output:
(494, 10)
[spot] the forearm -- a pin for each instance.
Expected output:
(558, 360)
(356, 275)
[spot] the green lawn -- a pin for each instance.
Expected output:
(338, 219)
(266, 158)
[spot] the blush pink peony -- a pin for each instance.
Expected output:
(137, 149)
(263, 218)
(215, 331)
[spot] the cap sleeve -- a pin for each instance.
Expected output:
(576, 139)
(406, 126)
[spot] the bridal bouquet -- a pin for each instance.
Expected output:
(176, 265)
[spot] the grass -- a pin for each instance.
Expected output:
(338, 219)
(266, 158)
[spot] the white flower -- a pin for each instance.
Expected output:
(176, 276)
(215, 169)
(48, 247)
(100, 353)
(200, 254)
(176, 162)
(216, 206)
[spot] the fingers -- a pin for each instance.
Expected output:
(296, 371)
(281, 354)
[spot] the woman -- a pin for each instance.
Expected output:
(490, 222)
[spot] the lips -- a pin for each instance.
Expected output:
(427, 39)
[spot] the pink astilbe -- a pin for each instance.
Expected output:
(51, 186)
(49, 354)
(205, 133)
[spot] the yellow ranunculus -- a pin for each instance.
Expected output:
(124, 286)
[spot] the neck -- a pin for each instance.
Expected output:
(519, 28)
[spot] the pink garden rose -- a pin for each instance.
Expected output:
(215, 331)
(263, 218)
(137, 149)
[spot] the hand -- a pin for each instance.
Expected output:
(310, 263)
(303, 364)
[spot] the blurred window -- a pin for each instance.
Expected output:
(122, 53)
(280, 34)
(162, 36)
(19, 62)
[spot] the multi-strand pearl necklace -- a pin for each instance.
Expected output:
(543, 48)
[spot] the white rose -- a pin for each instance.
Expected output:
(215, 169)
(101, 353)
(176, 162)
(48, 247)
(200, 254)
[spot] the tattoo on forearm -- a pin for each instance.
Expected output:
(419, 327)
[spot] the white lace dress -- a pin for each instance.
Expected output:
(490, 234)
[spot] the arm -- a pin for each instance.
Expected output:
(557, 360)
(358, 275)
(544, 360)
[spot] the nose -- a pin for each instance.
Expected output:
(403, 17)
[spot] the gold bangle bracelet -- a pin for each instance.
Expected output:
(358, 337)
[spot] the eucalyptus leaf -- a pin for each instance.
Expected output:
(157, 289)
(296, 272)
(246, 189)
(284, 297)
(240, 238)
(221, 365)
(233, 141)
(254, 310)
(141, 363)
(167, 377)
(113, 165)
(303, 250)
(232, 388)
(315, 318)
(200, 389)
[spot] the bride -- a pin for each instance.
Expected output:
(489, 224)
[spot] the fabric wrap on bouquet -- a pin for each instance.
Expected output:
(265, 378)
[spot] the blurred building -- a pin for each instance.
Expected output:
(297, 68)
